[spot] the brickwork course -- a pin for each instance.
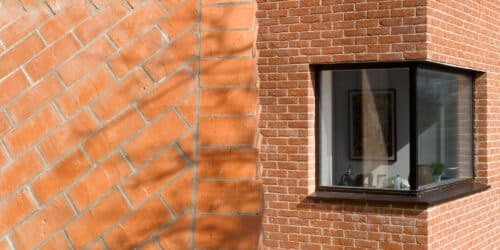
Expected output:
(121, 126)
(181, 124)
(294, 34)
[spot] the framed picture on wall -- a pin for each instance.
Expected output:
(372, 124)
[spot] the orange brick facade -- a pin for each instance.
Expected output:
(128, 124)
(180, 124)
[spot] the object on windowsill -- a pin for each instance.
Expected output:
(397, 182)
(359, 181)
(346, 178)
(451, 173)
(437, 171)
(424, 174)
(391, 182)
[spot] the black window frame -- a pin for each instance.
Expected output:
(429, 195)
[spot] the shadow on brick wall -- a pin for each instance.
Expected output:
(163, 146)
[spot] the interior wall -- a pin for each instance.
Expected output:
(375, 172)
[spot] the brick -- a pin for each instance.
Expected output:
(31, 5)
(228, 101)
(229, 196)
(65, 172)
(122, 94)
(187, 144)
(167, 94)
(56, 243)
(139, 226)
(235, 232)
(231, 72)
(188, 109)
(179, 194)
(43, 224)
(4, 244)
(85, 61)
(100, 217)
(113, 134)
(228, 17)
(97, 246)
(172, 57)
(4, 124)
(15, 175)
(227, 163)
(23, 26)
(155, 175)
(84, 91)
(137, 52)
(227, 131)
(150, 246)
(12, 86)
(20, 54)
(9, 11)
(58, 6)
(225, 44)
(68, 135)
(134, 3)
(32, 130)
(16, 208)
(160, 134)
(3, 159)
(65, 21)
(97, 24)
(136, 23)
(206, 2)
(97, 182)
(35, 97)
(178, 235)
(51, 57)
(391, 245)
(181, 19)
(102, 4)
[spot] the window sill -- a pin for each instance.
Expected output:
(428, 198)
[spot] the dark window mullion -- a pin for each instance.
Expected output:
(413, 128)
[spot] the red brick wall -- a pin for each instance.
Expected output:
(294, 34)
(134, 123)
(128, 124)
(466, 34)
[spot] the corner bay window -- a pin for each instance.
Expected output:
(395, 128)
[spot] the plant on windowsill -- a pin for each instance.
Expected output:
(437, 171)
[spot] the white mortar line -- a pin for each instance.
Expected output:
(157, 243)
(70, 242)
(197, 126)
(165, 204)
(71, 203)
(126, 197)
(33, 197)
(10, 242)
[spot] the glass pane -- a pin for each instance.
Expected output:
(365, 128)
(444, 127)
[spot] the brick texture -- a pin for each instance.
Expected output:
(182, 124)
(464, 34)
(294, 34)
(101, 110)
